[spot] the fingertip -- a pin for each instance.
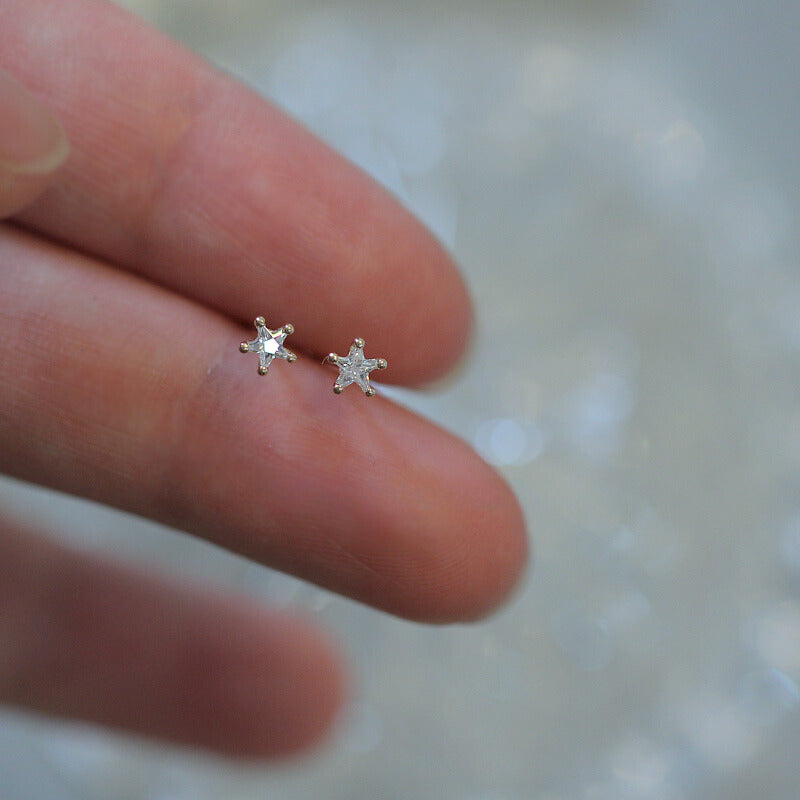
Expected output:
(483, 545)
(291, 689)
(321, 686)
(446, 333)
(33, 145)
(446, 544)
(507, 558)
(484, 559)
(423, 324)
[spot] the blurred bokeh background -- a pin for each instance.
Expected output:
(621, 182)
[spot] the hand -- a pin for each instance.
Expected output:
(187, 207)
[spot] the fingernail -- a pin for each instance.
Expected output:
(32, 141)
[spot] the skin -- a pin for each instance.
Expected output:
(188, 205)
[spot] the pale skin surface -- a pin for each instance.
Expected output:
(187, 206)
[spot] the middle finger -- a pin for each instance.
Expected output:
(125, 393)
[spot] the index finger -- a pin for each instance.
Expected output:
(185, 176)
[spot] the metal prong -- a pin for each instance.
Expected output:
(288, 328)
(359, 342)
(337, 389)
(260, 322)
(382, 363)
(291, 358)
(244, 347)
(332, 357)
(263, 370)
(370, 392)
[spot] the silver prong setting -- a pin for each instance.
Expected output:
(260, 322)
(382, 363)
(359, 343)
(244, 347)
(288, 329)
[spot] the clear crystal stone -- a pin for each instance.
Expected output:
(265, 343)
(354, 368)
(268, 345)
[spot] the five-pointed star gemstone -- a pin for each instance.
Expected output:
(354, 368)
(269, 345)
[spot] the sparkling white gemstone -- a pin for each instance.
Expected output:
(354, 368)
(268, 345)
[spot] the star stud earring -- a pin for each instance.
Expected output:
(354, 368)
(269, 345)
